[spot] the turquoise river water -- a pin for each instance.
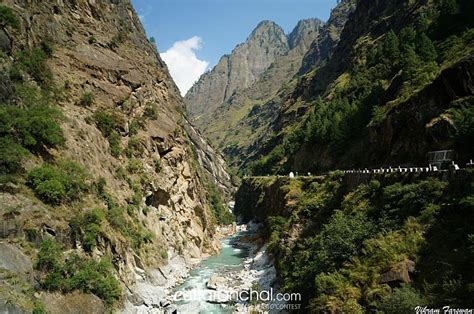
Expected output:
(230, 258)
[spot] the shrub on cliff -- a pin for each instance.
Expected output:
(34, 63)
(33, 126)
(87, 99)
(48, 257)
(402, 300)
(223, 216)
(463, 117)
(109, 125)
(87, 227)
(8, 17)
(76, 273)
(28, 123)
(55, 184)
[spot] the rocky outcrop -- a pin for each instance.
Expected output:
(212, 162)
(323, 46)
(237, 117)
(304, 33)
(100, 47)
(75, 302)
(238, 70)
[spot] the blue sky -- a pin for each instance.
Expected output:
(207, 29)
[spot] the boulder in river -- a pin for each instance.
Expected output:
(216, 282)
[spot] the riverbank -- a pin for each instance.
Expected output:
(152, 291)
(212, 284)
(218, 284)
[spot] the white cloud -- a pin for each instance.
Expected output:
(183, 64)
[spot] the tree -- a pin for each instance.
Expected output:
(391, 46)
(407, 36)
(450, 7)
(402, 300)
(425, 48)
(409, 62)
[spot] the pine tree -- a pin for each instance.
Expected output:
(425, 48)
(450, 7)
(391, 46)
(409, 62)
(407, 37)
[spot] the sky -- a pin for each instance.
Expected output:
(192, 35)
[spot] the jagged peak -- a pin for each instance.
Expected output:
(302, 28)
(263, 27)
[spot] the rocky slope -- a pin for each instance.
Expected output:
(122, 124)
(348, 111)
(241, 121)
(237, 70)
(322, 48)
(234, 124)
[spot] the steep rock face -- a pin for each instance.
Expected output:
(212, 162)
(304, 33)
(416, 115)
(100, 48)
(323, 46)
(237, 70)
(237, 121)
(424, 115)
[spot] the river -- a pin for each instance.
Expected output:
(241, 266)
(230, 259)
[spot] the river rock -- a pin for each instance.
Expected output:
(216, 282)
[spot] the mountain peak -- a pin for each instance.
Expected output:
(267, 28)
(303, 33)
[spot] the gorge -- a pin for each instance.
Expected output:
(117, 194)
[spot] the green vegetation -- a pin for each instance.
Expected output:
(402, 300)
(87, 99)
(58, 183)
(39, 308)
(33, 62)
(117, 39)
(134, 166)
(124, 220)
(348, 238)
(223, 216)
(151, 111)
(136, 125)
(33, 127)
(76, 273)
(29, 123)
(389, 71)
(134, 148)
(110, 124)
(107, 122)
(463, 117)
(86, 228)
(8, 17)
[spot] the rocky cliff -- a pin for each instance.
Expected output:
(114, 129)
(238, 118)
(237, 70)
(346, 112)
(321, 48)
